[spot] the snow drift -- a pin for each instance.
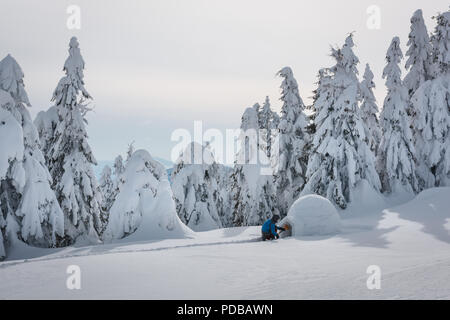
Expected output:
(144, 208)
(312, 215)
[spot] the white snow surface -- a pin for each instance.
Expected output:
(410, 243)
(312, 215)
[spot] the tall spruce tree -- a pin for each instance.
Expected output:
(396, 156)
(12, 174)
(268, 123)
(369, 110)
(38, 213)
(340, 157)
(293, 143)
(432, 119)
(70, 157)
(252, 193)
(418, 63)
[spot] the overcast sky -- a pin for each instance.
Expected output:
(157, 65)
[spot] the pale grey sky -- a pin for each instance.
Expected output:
(157, 65)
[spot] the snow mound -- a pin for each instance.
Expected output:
(365, 199)
(312, 215)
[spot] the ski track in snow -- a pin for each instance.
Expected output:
(58, 257)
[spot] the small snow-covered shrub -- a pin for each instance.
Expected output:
(312, 215)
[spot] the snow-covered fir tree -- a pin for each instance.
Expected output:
(419, 51)
(107, 189)
(293, 139)
(223, 199)
(45, 123)
(320, 95)
(144, 206)
(195, 188)
(130, 150)
(440, 40)
(39, 216)
(118, 166)
(432, 118)
(268, 123)
(252, 192)
(12, 174)
(340, 157)
(369, 110)
(396, 160)
(69, 156)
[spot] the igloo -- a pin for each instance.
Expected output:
(311, 215)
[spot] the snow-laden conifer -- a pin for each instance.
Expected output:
(396, 154)
(69, 156)
(432, 119)
(12, 174)
(369, 110)
(418, 63)
(38, 214)
(293, 142)
(252, 192)
(107, 189)
(144, 207)
(195, 188)
(340, 157)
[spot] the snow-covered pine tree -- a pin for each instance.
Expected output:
(321, 96)
(369, 110)
(340, 158)
(396, 154)
(118, 166)
(144, 208)
(12, 174)
(223, 196)
(440, 40)
(119, 169)
(45, 123)
(419, 51)
(107, 189)
(294, 143)
(39, 214)
(130, 150)
(70, 157)
(432, 119)
(252, 193)
(195, 188)
(268, 122)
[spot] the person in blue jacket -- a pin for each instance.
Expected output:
(269, 229)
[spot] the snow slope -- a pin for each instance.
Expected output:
(409, 242)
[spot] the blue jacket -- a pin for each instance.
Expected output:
(269, 227)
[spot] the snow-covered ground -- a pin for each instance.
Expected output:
(410, 243)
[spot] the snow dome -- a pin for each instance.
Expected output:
(312, 215)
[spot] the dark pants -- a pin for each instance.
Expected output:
(267, 236)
